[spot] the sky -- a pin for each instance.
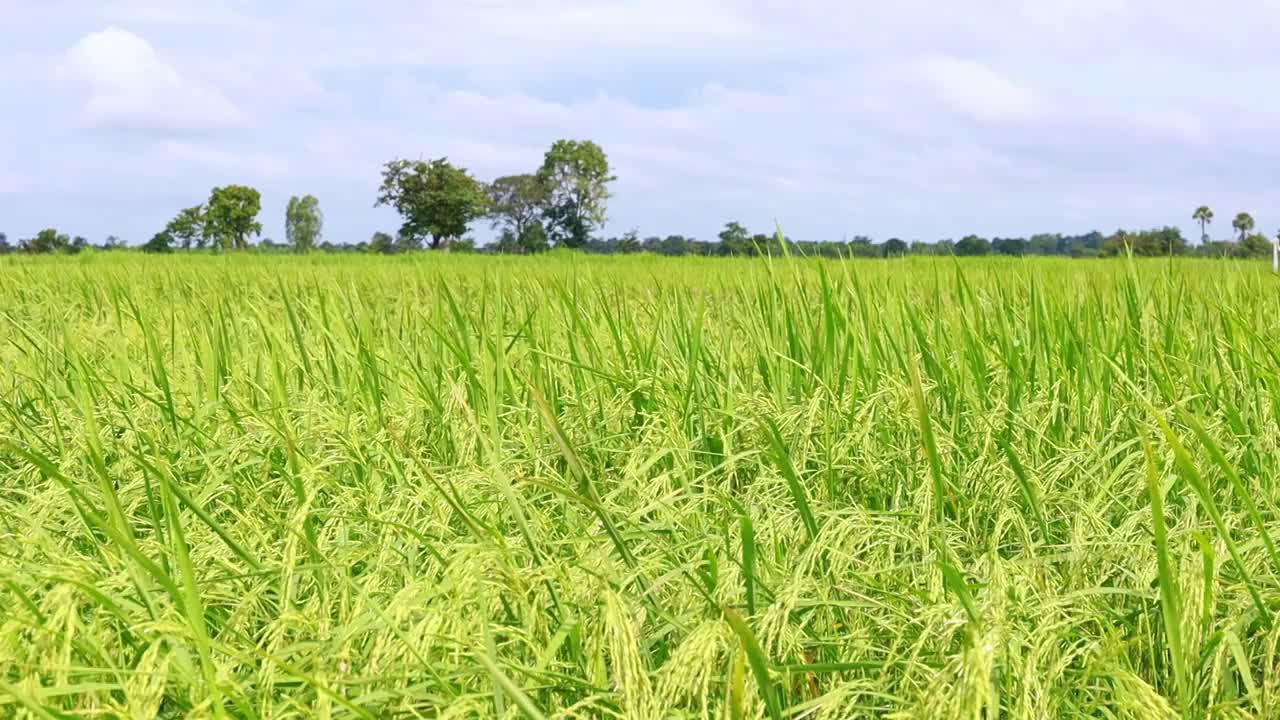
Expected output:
(918, 119)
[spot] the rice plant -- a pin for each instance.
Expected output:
(634, 487)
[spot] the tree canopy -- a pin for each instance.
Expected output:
(1243, 224)
(231, 216)
(188, 227)
(303, 223)
(577, 176)
(435, 199)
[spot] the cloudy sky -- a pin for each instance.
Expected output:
(916, 118)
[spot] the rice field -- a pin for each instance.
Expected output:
(632, 487)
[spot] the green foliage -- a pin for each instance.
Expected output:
(231, 216)
(894, 247)
(973, 245)
(1243, 224)
(533, 238)
(576, 176)
(863, 247)
(1204, 216)
(188, 227)
(517, 202)
(735, 239)
(161, 242)
(1255, 245)
(303, 223)
(382, 244)
(1145, 243)
(435, 199)
(47, 241)
(1009, 246)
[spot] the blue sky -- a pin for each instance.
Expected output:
(913, 118)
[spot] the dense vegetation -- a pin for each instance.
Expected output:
(564, 203)
(583, 487)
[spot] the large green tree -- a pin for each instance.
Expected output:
(435, 199)
(187, 227)
(1243, 224)
(303, 223)
(231, 216)
(516, 202)
(1204, 216)
(577, 176)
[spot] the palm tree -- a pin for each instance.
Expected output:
(1204, 216)
(1243, 224)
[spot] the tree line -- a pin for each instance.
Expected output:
(562, 204)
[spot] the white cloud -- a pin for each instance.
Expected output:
(913, 117)
(131, 87)
(973, 88)
(188, 155)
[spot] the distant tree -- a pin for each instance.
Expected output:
(1168, 240)
(382, 244)
(1219, 249)
(533, 239)
(406, 241)
(629, 242)
(894, 247)
(973, 245)
(1009, 246)
(161, 242)
(1243, 224)
(735, 240)
(434, 199)
(46, 241)
(1204, 216)
(516, 202)
(1091, 242)
(507, 243)
(78, 244)
(1255, 245)
(1043, 244)
(861, 246)
(5, 247)
(187, 227)
(111, 243)
(303, 223)
(463, 245)
(674, 245)
(763, 244)
(1116, 244)
(231, 216)
(1147, 243)
(577, 176)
